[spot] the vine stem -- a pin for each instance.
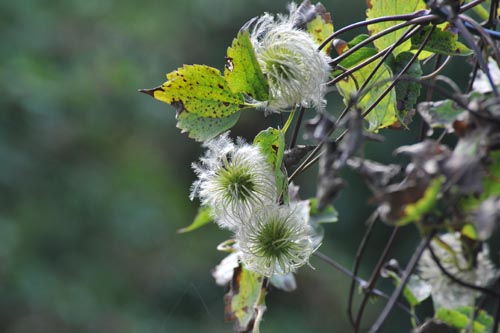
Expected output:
(428, 96)
(374, 277)
(497, 317)
(485, 36)
(360, 281)
(404, 280)
(470, 41)
(395, 80)
(357, 261)
(296, 128)
(436, 70)
(386, 52)
(418, 21)
(337, 33)
(310, 159)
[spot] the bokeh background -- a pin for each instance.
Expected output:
(95, 177)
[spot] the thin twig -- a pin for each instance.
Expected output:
(470, 41)
(484, 36)
(404, 280)
(359, 254)
(296, 129)
(428, 97)
(408, 34)
(418, 21)
(395, 80)
(375, 275)
(337, 33)
(497, 317)
(361, 282)
(436, 70)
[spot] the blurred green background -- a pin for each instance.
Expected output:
(94, 177)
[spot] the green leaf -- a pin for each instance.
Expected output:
(441, 42)
(469, 231)
(202, 217)
(202, 129)
(378, 8)
(417, 290)
(407, 92)
(328, 215)
(484, 318)
(245, 301)
(200, 94)
(440, 114)
(243, 73)
(357, 56)
(415, 211)
(272, 143)
(460, 318)
(384, 113)
(453, 317)
(491, 183)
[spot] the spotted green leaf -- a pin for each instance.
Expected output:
(201, 96)
(441, 42)
(316, 20)
(202, 129)
(384, 113)
(243, 73)
(378, 8)
(245, 301)
(202, 217)
(320, 28)
(407, 92)
(272, 143)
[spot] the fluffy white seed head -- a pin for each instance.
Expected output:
(297, 72)
(232, 180)
(445, 292)
(275, 240)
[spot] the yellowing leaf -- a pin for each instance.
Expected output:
(378, 8)
(469, 231)
(245, 299)
(316, 21)
(320, 29)
(384, 114)
(201, 96)
(243, 73)
(201, 90)
(415, 211)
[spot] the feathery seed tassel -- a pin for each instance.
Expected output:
(289, 57)
(276, 239)
(232, 180)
